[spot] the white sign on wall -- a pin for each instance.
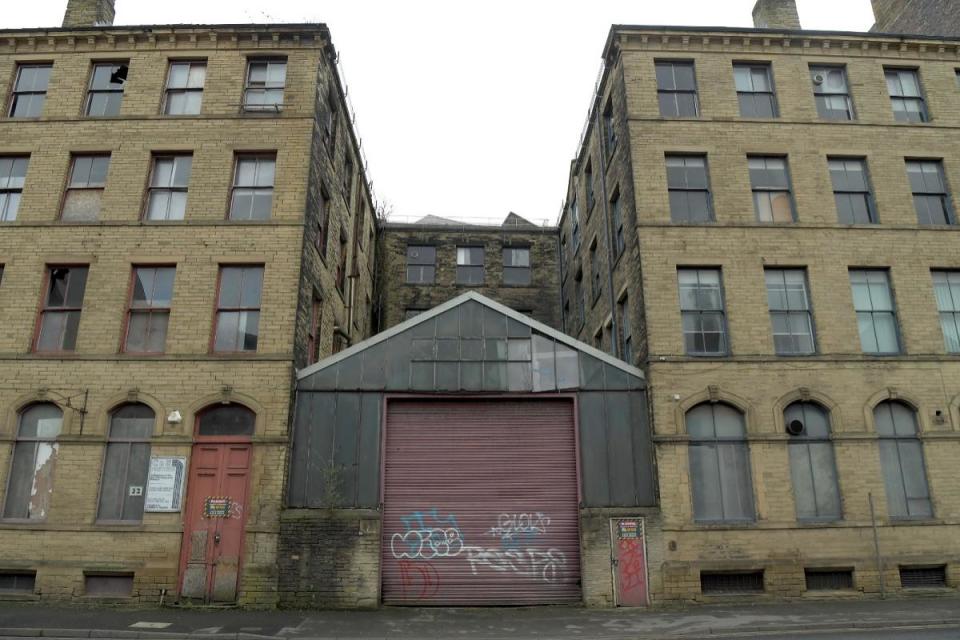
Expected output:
(165, 484)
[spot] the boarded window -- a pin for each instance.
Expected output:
(30, 487)
(123, 486)
(116, 585)
(88, 178)
(731, 583)
(719, 464)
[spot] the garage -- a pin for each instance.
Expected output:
(480, 503)
(470, 456)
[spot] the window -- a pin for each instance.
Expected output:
(616, 214)
(828, 579)
(149, 310)
(30, 486)
(238, 308)
(265, 82)
(60, 313)
(341, 275)
(813, 470)
(226, 420)
(184, 93)
(677, 90)
(851, 190)
(831, 93)
(421, 264)
(575, 224)
(348, 180)
(18, 581)
(876, 318)
(167, 195)
(770, 182)
(516, 266)
(323, 225)
(313, 330)
(333, 119)
(901, 459)
(566, 316)
(906, 95)
(88, 177)
(930, 196)
(755, 90)
(470, 265)
(923, 577)
(106, 88)
(252, 197)
(588, 183)
(946, 286)
(126, 463)
(580, 301)
(30, 90)
(626, 346)
(689, 189)
(731, 582)
(790, 314)
(13, 173)
(702, 312)
(595, 284)
(719, 464)
(609, 129)
(108, 585)
(564, 256)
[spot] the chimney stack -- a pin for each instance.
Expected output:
(776, 14)
(88, 13)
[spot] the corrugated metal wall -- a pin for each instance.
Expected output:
(480, 503)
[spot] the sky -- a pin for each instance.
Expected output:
(467, 110)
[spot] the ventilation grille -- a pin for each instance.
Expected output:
(726, 583)
(106, 585)
(23, 581)
(923, 577)
(829, 580)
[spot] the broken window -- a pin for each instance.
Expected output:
(106, 88)
(123, 487)
(34, 457)
(60, 313)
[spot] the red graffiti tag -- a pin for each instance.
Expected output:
(632, 572)
(419, 575)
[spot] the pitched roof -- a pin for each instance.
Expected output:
(453, 303)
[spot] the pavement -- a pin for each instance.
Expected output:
(913, 619)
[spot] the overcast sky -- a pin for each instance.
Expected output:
(465, 109)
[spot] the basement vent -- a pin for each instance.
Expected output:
(117, 585)
(731, 582)
(923, 577)
(829, 579)
(19, 581)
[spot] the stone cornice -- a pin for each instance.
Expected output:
(162, 37)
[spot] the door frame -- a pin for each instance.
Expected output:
(613, 556)
(219, 441)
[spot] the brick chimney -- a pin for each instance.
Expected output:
(776, 14)
(88, 13)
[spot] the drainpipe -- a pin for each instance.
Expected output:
(563, 315)
(615, 338)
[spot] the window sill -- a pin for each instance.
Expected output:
(721, 524)
(13, 596)
(120, 524)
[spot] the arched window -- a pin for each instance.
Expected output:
(719, 464)
(901, 459)
(123, 487)
(30, 486)
(226, 420)
(813, 468)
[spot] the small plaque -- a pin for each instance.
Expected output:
(136, 491)
(216, 507)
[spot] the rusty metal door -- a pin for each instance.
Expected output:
(214, 522)
(480, 503)
(629, 562)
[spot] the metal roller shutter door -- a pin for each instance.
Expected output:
(480, 503)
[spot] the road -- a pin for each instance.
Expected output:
(946, 633)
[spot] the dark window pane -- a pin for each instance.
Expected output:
(226, 420)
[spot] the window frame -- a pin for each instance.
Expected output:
(806, 442)
(868, 195)
(817, 93)
(14, 93)
(673, 63)
(706, 190)
(945, 196)
(170, 189)
(596, 273)
(626, 330)
(920, 98)
(481, 268)
(767, 66)
(276, 107)
(616, 217)
(893, 311)
(44, 309)
(6, 191)
(782, 272)
(187, 90)
(954, 315)
(900, 439)
(433, 279)
(258, 156)
(314, 328)
(322, 238)
(725, 335)
(71, 167)
(36, 440)
(340, 279)
(758, 189)
(115, 65)
(609, 127)
(130, 442)
(149, 311)
(714, 443)
(528, 270)
(218, 309)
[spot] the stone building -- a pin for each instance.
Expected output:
(927, 17)
(762, 220)
(185, 221)
(426, 263)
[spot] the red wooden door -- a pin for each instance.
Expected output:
(630, 562)
(480, 503)
(214, 522)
